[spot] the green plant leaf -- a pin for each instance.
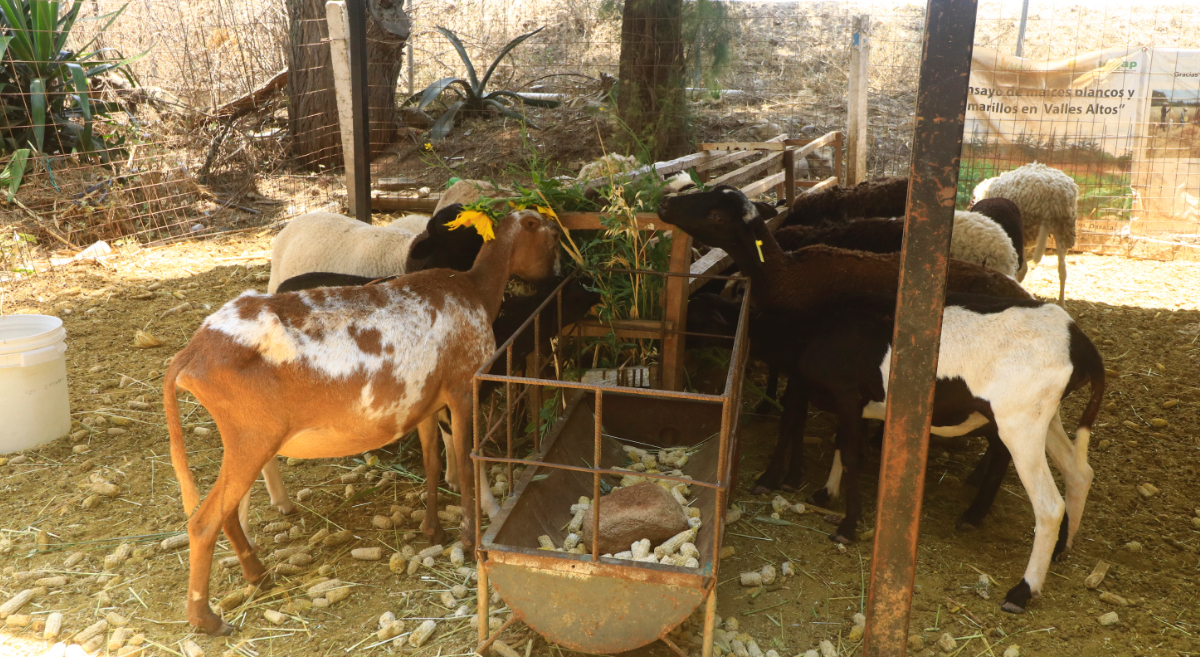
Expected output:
(37, 103)
(434, 90)
(14, 171)
(533, 102)
(14, 16)
(462, 54)
(445, 122)
(508, 48)
(79, 78)
(4, 46)
(111, 16)
(63, 26)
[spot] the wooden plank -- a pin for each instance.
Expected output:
(390, 203)
(396, 184)
(675, 302)
(712, 263)
(632, 329)
(807, 146)
(856, 106)
(748, 172)
(763, 184)
(789, 172)
(722, 160)
(743, 146)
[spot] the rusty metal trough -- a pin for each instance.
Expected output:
(588, 602)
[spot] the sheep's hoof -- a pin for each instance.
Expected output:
(964, 526)
(789, 488)
(819, 498)
(833, 518)
(1017, 598)
(760, 489)
(836, 537)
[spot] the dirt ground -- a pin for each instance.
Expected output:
(1144, 316)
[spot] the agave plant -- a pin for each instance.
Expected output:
(472, 92)
(45, 85)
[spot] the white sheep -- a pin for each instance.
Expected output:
(329, 242)
(610, 165)
(1047, 198)
(979, 239)
(469, 191)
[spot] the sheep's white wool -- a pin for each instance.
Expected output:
(610, 165)
(324, 241)
(1047, 199)
(411, 339)
(979, 239)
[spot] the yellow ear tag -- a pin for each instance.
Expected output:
(758, 243)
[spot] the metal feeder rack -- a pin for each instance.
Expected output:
(587, 602)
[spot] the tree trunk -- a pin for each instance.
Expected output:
(312, 105)
(650, 98)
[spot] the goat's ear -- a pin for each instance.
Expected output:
(765, 210)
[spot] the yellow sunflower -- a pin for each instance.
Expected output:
(478, 220)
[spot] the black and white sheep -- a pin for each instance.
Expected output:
(328, 242)
(1047, 198)
(1008, 215)
(1005, 361)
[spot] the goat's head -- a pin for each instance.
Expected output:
(535, 246)
(720, 218)
(442, 247)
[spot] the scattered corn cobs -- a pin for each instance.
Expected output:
(143, 340)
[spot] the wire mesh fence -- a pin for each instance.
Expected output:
(228, 117)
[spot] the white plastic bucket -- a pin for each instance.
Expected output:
(34, 405)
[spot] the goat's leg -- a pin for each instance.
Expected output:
(833, 483)
(252, 568)
(1071, 460)
(243, 514)
(274, 481)
(789, 442)
(219, 509)
(460, 420)
(428, 432)
(451, 462)
(850, 430)
(1062, 271)
(1025, 438)
(992, 468)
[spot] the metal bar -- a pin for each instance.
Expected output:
(599, 435)
(675, 300)
(1021, 30)
(579, 468)
(486, 642)
(933, 175)
(356, 12)
(710, 622)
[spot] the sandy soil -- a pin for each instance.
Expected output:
(1143, 315)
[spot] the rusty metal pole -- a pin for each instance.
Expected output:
(356, 13)
(933, 183)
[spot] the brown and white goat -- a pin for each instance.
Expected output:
(333, 372)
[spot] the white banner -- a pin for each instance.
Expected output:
(1123, 114)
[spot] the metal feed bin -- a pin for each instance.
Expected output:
(586, 602)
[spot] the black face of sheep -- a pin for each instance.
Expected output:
(441, 247)
(718, 218)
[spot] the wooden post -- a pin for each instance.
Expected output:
(675, 300)
(856, 107)
(335, 15)
(933, 179)
(789, 176)
(839, 143)
(356, 44)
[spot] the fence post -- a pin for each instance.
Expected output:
(356, 43)
(856, 106)
(933, 179)
(335, 15)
